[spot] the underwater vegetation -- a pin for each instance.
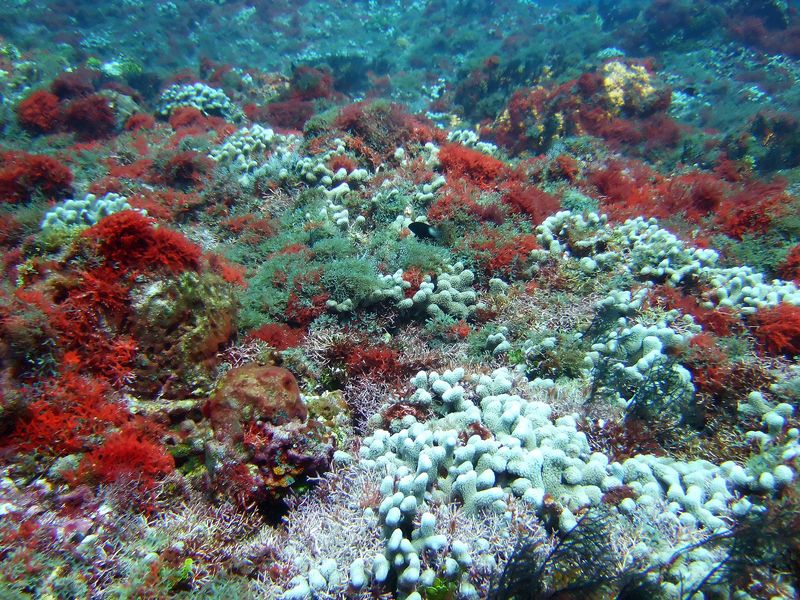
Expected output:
(417, 300)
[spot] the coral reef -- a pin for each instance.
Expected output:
(439, 300)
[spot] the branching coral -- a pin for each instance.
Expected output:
(208, 100)
(88, 211)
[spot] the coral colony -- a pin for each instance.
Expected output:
(426, 300)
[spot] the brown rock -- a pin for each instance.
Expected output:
(254, 393)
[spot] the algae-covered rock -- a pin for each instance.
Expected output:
(288, 454)
(264, 443)
(181, 324)
(254, 393)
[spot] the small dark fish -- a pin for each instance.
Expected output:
(425, 231)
